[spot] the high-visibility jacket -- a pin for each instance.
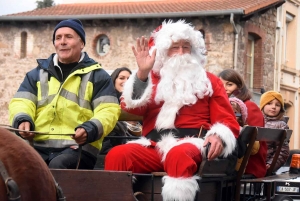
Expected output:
(86, 98)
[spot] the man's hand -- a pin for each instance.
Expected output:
(144, 61)
(26, 135)
(80, 136)
(216, 146)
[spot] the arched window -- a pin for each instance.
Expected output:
(103, 45)
(254, 62)
(23, 45)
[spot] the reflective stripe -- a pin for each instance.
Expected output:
(46, 101)
(74, 98)
(105, 99)
(65, 144)
(83, 84)
(99, 126)
(59, 143)
(80, 99)
(26, 95)
(44, 84)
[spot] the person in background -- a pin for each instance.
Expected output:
(241, 113)
(240, 110)
(119, 76)
(70, 99)
(235, 86)
(184, 109)
(272, 107)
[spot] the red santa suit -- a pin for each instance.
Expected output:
(178, 157)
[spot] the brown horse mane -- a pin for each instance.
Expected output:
(26, 167)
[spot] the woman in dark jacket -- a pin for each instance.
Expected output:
(122, 128)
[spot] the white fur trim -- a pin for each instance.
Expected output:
(128, 91)
(175, 31)
(142, 141)
(226, 135)
(165, 144)
(198, 142)
(166, 116)
(169, 141)
(179, 189)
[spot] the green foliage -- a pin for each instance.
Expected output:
(44, 3)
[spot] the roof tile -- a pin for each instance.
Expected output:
(151, 7)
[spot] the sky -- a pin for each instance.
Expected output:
(17, 6)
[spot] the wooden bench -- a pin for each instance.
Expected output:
(212, 173)
(213, 176)
(96, 185)
(267, 135)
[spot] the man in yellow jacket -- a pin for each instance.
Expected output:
(70, 99)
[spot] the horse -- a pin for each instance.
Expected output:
(26, 168)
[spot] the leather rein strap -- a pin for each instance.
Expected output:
(12, 188)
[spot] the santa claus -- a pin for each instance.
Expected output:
(184, 109)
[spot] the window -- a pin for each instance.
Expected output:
(288, 39)
(250, 61)
(103, 45)
(23, 45)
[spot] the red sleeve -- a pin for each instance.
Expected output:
(140, 111)
(220, 108)
(255, 116)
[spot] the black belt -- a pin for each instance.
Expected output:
(155, 135)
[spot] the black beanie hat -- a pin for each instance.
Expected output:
(74, 24)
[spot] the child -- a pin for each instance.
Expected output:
(272, 107)
(240, 110)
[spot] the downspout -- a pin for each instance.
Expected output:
(278, 49)
(235, 42)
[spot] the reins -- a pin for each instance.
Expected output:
(12, 189)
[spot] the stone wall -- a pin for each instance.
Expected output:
(262, 25)
(219, 37)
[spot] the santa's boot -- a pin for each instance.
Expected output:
(180, 188)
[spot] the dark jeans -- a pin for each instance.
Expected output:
(66, 158)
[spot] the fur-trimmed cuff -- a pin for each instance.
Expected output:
(179, 189)
(226, 136)
(142, 141)
(128, 91)
(168, 141)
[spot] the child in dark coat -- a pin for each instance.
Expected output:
(272, 107)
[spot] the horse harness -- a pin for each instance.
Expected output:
(12, 188)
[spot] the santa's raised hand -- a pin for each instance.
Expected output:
(144, 60)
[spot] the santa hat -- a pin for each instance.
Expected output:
(163, 36)
(242, 106)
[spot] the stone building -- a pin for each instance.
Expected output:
(239, 34)
(287, 63)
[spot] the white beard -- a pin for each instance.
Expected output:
(183, 81)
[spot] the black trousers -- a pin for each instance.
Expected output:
(66, 158)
